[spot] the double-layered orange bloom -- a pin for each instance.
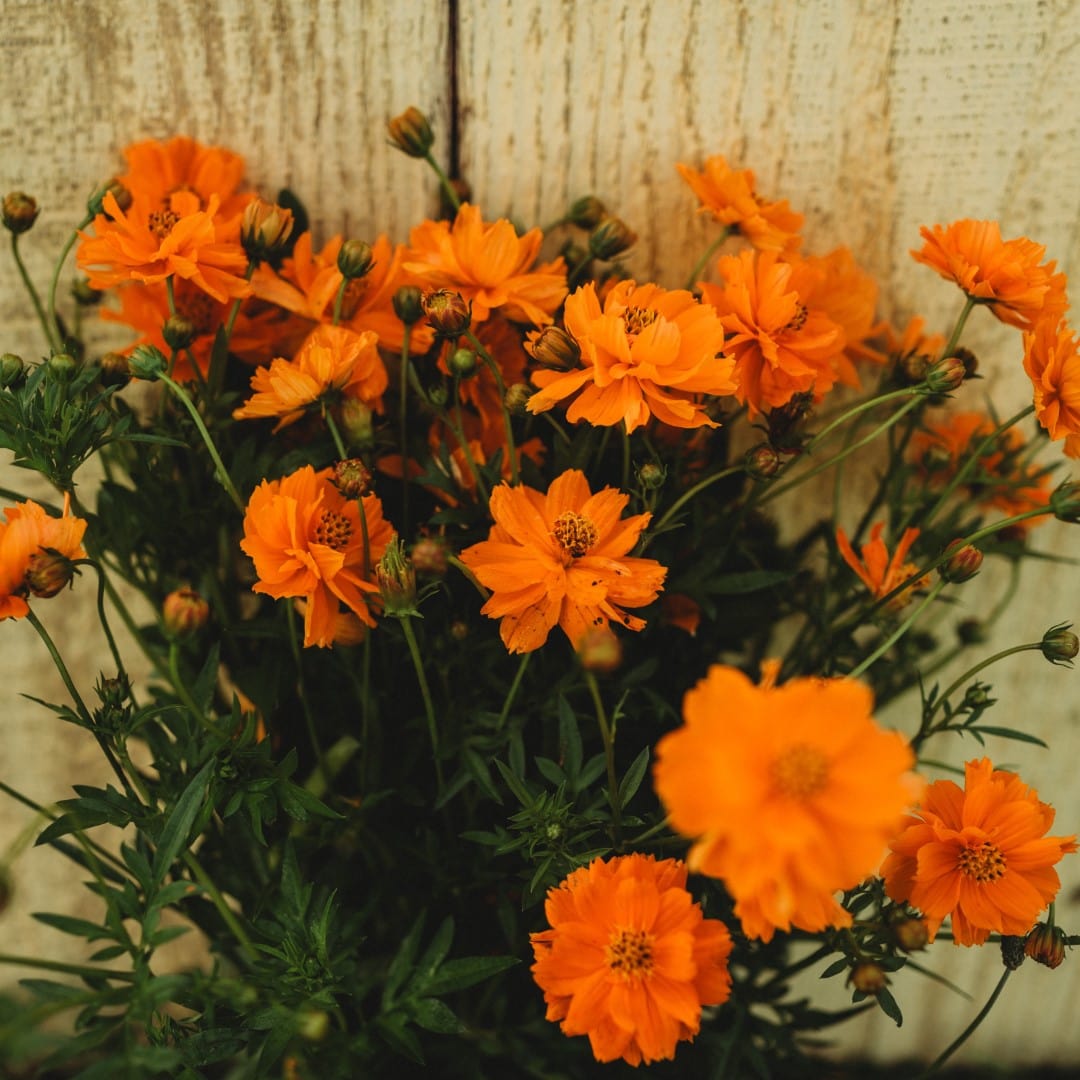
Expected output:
(979, 854)
(307, 542)
(790, 793)
(29, 535)
(1052, 361)
(561, 558)
(646, 353)
(629, 960)
(876, 570)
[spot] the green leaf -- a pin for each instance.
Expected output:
(550, 771)
(402, 964)
(836, 967)
(1008, 733)
(393, 1027)
(436, 952)
(516, 785)
(68, 924)
(569, 741)
(746, 581)
(467, 971)
(631, 781)
(887, 1004)
(435, 1015)
(174, 835)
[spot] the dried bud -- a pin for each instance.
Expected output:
(147, 362)
(83, 294)
(48, 572)
(11, 369)
(396, 578)
(357, 423)
(516, 399)
(911, 934)
(352, 478)
(599, 651)
(265, 229)
(554, 348)
(784, 422)
(969, 360)
(1065, 502)
(96, 203)
(1046, 945)
(184, 612)
(946, 375)
(411, 133)
(178, 332)
(762, 461)
(429, 556)
(914, 366)
(63, 365)
(610, 238)
(408, 304)
(1012, 951)
(868, 977)
(462, 363)
(20, 211)
(971, 632)
(355, 259)
(1060, 645)
(447, 312)
(962, 562)
(587, 212)
(459, 630)
(115, 369)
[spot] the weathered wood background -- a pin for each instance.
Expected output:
(871, 116)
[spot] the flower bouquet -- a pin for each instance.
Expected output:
(497, 719)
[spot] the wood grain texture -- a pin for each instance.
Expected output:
(872, 117)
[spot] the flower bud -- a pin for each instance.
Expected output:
(312, 1024)
(184, 612)
(599, 650)
(147, 362)
(19, 212)
(83, 294)
(11, 369)
(762, 461)
(971, 632)
(113, 693)
(610, 238)
(868, 977)
(115, 369)
(1012, 951)
(411, 133)
(96, 203)
(459, 630)
(1065, 502)
(396, 578)
(977, 696)
(962, 563)
(914, 367)
(178, 332)
(408, 304)
(352, 478)
(429, 556)
(969, 360)
(462, 363)
(48, 572)
(357, 423)
(911, 934)
(935, 458)
(355, 259)
(1060, 645)
(265, 229)
(946, 375)
(651, 475)
(1046, 945)
(517, 396)
(63, 365)
(554, 348)
(587, 212)
(447, 312)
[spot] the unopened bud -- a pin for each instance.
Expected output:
(911, 934)
(962, 562)
(1012, 951)
(352, 478)
(651, 475)
(1046, 945)
(96, 203)
(83, 294)
(113, 693)
(63, 365)
(977, 696)
(1065, 502)
(184, 612)
(611, 237)
(355, 259)
(462, 363)
(411, 133)
(587, 212)
(429, 556)
(147, 362)
(20, 211)
(868, 977)
(115, 369)
(1060, 645)
(762, 461)
(357, 423)
(554, 348)
(396, 578)
(265, 229)
(914, 366)
(459, 630)
(178, 332)
(48, 572)
(599, 651)
(408, 304)
(11, 369)
(447, 312)
(516, 399)
(946, 375)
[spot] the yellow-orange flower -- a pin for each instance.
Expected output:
(561, 558)
(1007, 275)
(979, 854)
(26, 534)
(489, 264)
(729, 195)
(646, 353)
(307, 541)
(1052, 361)
(629, 959)
(789, 792)
(879, 573)
(781, 346)
(333, 363)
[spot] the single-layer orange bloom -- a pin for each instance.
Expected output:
(781, 346)
(1052, 361)
(979, 854)
(1007, 275)
(489, 264)
(876, 570)
(729, 195)
(646, 353)
(629, 959)
(913, 341)
(307, 541)
(333, 363)
(561, 557)
(181, 240)
(789, 792)
(27, 533)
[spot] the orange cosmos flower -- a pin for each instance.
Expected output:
(645, 353)
(489, 264)
(150, 244)
(332, 363)
(782, 347)
(729, 195)
(29, 539)
(913, 342)
(876, 570)
(979, 854)
(1052, 361)
(629, 960)
(307, 542)
(561, 557)
(790, 793)
(1007, 275)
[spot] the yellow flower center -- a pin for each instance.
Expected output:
(800, 771)
(574, 533)
(798, 320)
(161, 222)
(333, 530)
(983, 863)
(637, 318)
(629, 953)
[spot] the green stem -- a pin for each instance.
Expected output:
(403, 428)
(459, 434)
(100, 570)
(455, 562)
(624, 484)
(969, 1030)
(649, 833)
(957, 330)
(182, 692)
(54, 283)
(425, 690)
(607, 735)
(711, 250)
(80, 970)
(972, 672)
(339, 298)
(309, 720)
(227, 914)
(683, 499)
(862, 407)
(512, 692)
(335, 434)
(47, 327)
(444, 181)
(215, 378)
(496, 374)
(900, 631)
